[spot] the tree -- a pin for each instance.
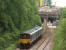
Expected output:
(16, 16)
(62, 13)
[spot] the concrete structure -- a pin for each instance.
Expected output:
(46, 12)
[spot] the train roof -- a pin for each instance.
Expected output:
(33, 30)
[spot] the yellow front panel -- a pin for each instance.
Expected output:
(24, 41)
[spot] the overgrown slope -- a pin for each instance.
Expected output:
(60, 36)
(16, 16)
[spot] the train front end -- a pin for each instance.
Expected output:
(24, 41)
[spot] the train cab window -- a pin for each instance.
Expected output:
(24, 36)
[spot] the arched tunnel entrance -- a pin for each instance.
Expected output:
(48, 18)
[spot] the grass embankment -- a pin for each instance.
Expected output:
(60, 36)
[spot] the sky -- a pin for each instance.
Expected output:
(60, 3)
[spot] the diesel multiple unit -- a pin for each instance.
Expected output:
(28, 37)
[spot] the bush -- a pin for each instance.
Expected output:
(16, 16)
(62, 13)
(60, 37)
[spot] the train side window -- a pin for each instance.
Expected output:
(31, 36)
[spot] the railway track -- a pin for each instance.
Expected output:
(45, 39)
(44, 43)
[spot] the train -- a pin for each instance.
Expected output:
(27, 38)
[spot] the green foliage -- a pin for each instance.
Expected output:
(11, 47)
(62, 13)
(16, 16)
(60, 37)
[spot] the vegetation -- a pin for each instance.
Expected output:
(16, 16)
(60, 36)
(62, 13)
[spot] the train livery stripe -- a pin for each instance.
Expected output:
(24, 41)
